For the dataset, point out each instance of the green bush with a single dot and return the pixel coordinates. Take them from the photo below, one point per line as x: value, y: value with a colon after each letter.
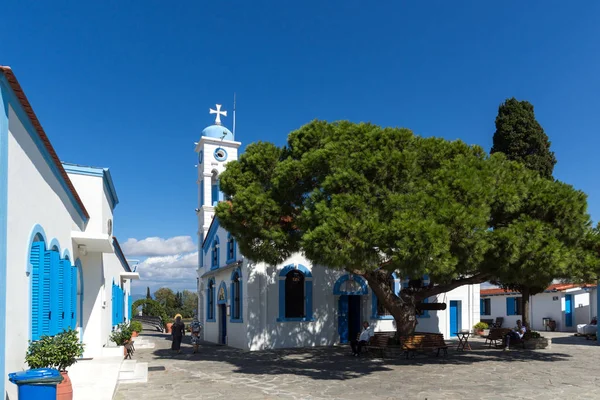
x: 136, y: 326
x: 121, y: 335
x: 531, y: 335
x: 480, y: 326
x: 58, y: 351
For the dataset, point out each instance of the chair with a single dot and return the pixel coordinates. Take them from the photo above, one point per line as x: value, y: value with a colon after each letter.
x: 498, y: 323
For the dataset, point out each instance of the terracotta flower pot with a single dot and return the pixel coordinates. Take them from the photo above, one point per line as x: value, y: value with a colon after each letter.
x: 134, y: 334
x: 168, y: 328
x: 64, y: 390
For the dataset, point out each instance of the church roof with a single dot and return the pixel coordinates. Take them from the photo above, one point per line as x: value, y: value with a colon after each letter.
x: 217, y: 132
x: 20, y: 95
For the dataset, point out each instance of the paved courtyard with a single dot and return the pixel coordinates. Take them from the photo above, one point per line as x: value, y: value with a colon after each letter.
x: 570, y: 369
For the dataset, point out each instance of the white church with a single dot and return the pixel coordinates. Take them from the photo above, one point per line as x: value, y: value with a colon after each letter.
x: 255, y: 306
x: 60, y: 265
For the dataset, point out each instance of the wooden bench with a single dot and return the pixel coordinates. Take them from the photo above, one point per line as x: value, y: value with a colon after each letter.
x: 129, y: 347
x: 422, y: 342
x: 496, y: 335
x: 378, y: 342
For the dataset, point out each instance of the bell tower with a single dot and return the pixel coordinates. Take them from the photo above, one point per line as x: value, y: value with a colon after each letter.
x: 215, y: 149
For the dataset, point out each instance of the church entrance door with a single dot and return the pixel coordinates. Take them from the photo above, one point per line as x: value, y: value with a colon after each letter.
x: 348, y: 317
x: 223, y: 323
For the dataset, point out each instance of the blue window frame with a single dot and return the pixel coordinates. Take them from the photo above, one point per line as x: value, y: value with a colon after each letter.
x: 210, y: 301
x: 513, y: 306
x: 230, y: 248
x: 236, y: 296
x: 295, y: 294
x: 377, y: 310
x: 215, y: 254
x: 485, y: 306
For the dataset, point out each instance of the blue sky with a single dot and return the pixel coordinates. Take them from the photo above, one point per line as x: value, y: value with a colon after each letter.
x: 127, y: 85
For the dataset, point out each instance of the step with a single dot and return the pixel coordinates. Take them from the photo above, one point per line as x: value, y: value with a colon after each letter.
x: 112, y: 351
x: 138, y: 375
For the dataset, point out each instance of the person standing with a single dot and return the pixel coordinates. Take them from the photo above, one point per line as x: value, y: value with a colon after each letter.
x: 178, y: 331
x: 196, y: 328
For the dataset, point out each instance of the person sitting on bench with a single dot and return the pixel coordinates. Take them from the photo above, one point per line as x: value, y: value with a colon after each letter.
x: 515, y: 334
x: 365, y: 335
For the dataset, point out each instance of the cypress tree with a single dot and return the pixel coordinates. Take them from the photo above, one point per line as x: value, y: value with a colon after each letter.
x: 521, y: 138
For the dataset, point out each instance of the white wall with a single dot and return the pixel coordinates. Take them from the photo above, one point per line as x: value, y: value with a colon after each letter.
x: 35, y: 196
x: 261, y: 330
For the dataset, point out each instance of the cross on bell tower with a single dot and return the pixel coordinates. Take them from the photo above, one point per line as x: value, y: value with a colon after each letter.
x: 219, y: 113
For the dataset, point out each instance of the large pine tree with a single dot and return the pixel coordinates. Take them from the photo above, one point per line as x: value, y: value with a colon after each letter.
x: 521, y: 138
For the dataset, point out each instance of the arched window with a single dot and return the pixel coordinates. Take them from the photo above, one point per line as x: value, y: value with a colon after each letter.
x: 295, y: 294
x: 215, y: 188
x: 378, y: 310
x: 210, y: 301
x: 230, y: 249
x: 236, y: 296
x: 215, y: 254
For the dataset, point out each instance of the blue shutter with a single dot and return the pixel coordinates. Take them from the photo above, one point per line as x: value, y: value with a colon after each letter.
x: 35, y: 258
x: 202, y: 193
x: 482, y: 307
x: 64, y: 295
x: 510, y: 306
x: 55, y: 303
x: 73, y: 298
x: 46, y: 294
x: 113, y: 306
x: 215, y: 194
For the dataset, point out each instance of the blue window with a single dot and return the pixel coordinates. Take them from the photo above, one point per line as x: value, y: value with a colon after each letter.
x: 210, y: 301
x: 485, y: 307
x: 36, y: 258
x: 378, y: 311
x: 230, y: 249
x: 215, y: 254
x: 236, y: 296
x: 295, y: 294
x: 55, y: 291
x: 513, y: 306
x: 118, y: 301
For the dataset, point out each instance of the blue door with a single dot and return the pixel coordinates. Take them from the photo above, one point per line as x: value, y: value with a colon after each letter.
x: 454, y: 317
x: 343, y: 318
x: 223, y: 316
x: 568, y: 310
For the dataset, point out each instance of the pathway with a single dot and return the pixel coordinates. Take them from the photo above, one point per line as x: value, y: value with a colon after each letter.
x: 569, y: 370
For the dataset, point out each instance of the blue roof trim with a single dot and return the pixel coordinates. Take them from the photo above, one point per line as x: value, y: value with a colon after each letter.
x: 9, y: 97
x: 104, y: 173
x: 120, y: 255
x: 212, y: 231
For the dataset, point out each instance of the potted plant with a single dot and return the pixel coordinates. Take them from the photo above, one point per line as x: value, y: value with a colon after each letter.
x: 121, y: 336
x: 479, y: 327
x: 534, y: 340
x: 59, y: 352
x: 136, y: 327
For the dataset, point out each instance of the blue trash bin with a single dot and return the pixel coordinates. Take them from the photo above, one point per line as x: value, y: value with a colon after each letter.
x: 36, y: 384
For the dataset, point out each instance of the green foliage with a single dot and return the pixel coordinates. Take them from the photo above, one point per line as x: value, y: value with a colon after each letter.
x: 358, y: 196
x: 58, y: 351
x: 122, y: 334
x: 531, y: 335
x: 151, y: 308
x: 480, y: 326
x: 522, y: 138
x: 136, y: 326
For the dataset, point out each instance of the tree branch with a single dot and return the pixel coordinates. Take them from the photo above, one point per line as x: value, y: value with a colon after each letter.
x: 477, y: 278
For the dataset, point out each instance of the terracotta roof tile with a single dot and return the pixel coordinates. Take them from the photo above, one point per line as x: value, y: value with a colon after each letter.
x: 20, y: 94
x: 556, y: 287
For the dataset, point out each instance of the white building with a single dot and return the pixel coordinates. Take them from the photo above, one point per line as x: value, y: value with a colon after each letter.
x: 567, y: 304
x: 58, y: 259
x: 256, y: 306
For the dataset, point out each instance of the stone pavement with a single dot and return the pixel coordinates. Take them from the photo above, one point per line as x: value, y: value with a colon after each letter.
x: 570, y: 369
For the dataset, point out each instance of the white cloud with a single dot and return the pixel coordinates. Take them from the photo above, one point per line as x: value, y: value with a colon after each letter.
x: 177, y: 272
x: 156, y: 246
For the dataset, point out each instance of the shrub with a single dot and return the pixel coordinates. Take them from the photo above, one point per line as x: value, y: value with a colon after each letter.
x: 58, y: 351
x: 480, y: 326
x: 531, y: 335
x: 121, y: 335
x: 136, y: 326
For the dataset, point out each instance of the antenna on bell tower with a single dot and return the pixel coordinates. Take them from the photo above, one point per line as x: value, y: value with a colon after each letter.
x: 233, y: 116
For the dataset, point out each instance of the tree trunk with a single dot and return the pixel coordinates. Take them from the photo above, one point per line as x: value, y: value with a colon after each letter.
x: 403, y: 307
x: 525, y: 304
